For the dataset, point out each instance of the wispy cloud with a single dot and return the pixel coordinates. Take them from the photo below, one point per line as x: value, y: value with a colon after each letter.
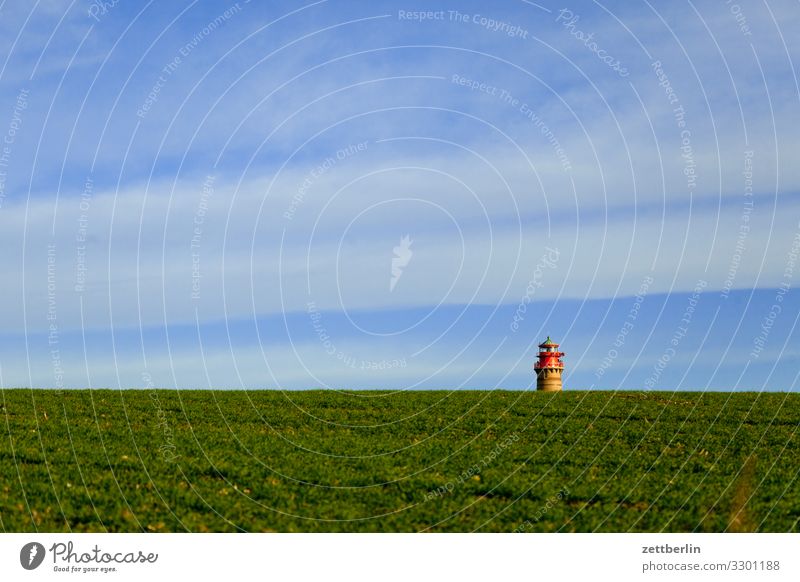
x: 207, y: 162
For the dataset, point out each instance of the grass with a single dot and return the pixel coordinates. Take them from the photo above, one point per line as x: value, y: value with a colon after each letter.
x: 499, y: 461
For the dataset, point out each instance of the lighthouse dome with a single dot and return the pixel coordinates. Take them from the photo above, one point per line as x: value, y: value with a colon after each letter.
x: 548, y: 343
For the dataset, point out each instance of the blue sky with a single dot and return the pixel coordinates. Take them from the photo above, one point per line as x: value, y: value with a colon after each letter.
x: 215, y: 194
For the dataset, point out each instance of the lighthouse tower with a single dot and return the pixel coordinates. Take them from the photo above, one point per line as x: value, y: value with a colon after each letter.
x: 549, y: 367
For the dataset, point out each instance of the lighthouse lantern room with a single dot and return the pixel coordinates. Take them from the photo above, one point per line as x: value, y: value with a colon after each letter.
x: 549, y: 367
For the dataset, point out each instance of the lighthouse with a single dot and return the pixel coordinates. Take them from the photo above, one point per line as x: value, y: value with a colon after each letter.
x: 549, y: 367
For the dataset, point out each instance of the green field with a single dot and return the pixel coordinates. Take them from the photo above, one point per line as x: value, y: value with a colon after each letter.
x: 499, y: 461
